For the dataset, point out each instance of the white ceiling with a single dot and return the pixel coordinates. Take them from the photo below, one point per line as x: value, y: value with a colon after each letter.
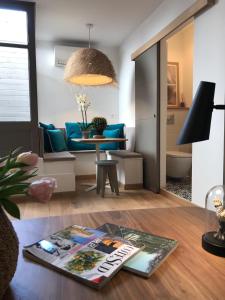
x: 114, y: 20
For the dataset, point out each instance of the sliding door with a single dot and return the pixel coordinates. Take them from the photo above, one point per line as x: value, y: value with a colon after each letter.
x: 147, y: 130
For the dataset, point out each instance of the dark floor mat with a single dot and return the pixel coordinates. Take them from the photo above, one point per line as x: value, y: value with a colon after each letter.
x: 180, y: 187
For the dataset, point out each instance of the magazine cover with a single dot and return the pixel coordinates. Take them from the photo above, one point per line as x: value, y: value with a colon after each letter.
x: 87, y: 254
x: 156, y: 248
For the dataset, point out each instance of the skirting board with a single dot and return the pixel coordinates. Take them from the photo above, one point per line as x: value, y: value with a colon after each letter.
x: 170, y: 195
x: 86, y: 177
x: 133, y: 186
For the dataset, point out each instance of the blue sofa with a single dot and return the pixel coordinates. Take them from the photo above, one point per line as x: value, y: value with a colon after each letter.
x: 57, y: 140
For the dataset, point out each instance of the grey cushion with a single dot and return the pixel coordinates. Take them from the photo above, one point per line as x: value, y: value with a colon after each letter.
x: 58, y: 156
x: 125, y: 154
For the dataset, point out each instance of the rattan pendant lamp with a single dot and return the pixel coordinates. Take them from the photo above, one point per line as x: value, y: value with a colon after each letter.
x: 89, y: 67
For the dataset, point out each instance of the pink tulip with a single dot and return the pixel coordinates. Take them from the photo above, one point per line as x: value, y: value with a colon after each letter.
x: 42, y: 189
x: 28, y: 158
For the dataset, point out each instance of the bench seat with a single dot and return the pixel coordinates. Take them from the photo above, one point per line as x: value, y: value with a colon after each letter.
x: 61, y: 166
x: 129, y: 168
x: 58, y: 156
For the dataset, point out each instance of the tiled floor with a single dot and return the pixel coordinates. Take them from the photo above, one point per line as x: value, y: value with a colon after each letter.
x: 180, y: 187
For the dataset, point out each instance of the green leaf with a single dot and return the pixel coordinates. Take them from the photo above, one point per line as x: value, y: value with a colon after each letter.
x: 11, y: 208
x: 15, y: 189
x: 3, y: 158
x: 16, y: 151
x: 12, y: 178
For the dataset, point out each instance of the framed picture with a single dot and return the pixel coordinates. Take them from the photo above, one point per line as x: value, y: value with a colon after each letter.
x: 173, y: 84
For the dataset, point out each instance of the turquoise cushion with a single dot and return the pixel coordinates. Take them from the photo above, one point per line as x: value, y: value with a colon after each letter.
x: 111, y: 134
x: 57, y: 140
x: 73, y: 131
x: 119, y: 126
x: 47, y: 144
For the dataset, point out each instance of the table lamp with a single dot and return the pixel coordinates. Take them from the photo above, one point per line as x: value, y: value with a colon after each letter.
x: 196, y: 129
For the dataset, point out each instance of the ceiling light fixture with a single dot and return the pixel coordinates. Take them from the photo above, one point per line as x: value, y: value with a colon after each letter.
x: 89, y: 66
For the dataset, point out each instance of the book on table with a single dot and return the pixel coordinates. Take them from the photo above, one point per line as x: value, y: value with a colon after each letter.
x: 156, y: 248
x: 86, y: 254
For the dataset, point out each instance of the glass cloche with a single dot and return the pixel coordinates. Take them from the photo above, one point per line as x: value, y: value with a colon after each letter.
x: 213, y: 240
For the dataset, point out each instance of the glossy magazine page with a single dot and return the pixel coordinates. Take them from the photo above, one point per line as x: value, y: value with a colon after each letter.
x: 156, y: 248
x: 88, y: 254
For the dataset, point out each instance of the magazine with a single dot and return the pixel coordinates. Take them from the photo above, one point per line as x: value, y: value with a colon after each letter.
x: 88, y: 255
x: 156, y: 248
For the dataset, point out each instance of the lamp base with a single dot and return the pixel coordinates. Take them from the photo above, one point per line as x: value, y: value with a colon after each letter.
x: 213, y: 245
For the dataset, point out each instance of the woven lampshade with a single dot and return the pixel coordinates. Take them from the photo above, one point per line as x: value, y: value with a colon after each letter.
x: 88, y: 66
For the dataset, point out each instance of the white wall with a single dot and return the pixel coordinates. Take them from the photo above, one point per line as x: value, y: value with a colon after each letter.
x: 160, y: 18
x: 209, y: 65
x: 56, y: 99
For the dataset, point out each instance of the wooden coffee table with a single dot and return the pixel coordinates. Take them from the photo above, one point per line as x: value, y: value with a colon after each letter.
x: 189, y: 273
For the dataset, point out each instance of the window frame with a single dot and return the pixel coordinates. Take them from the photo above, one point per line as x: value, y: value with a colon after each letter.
x: 29, y: 8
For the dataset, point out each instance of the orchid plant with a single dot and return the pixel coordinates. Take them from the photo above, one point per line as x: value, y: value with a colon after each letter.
x: 84, y: 104
x: 15, y: 171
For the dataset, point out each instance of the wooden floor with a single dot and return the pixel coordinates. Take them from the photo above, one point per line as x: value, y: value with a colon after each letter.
x: 83, y: 202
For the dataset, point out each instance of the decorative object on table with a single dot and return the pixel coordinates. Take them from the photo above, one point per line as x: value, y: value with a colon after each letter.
x: 86, y: 254
x: 15, y: 170
x: 173, y: 84
x: 156, y: 250
x: 84, y: 104
x: 99, y: 124
x: 89, y: 66
x: 213, y: 240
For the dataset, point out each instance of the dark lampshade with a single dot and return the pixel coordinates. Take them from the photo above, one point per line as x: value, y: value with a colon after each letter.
x: 197, y: 124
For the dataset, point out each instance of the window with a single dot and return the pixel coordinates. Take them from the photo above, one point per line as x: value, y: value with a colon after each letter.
x: 15, y: 104
x: 13, y: 26
x: 18, y: 87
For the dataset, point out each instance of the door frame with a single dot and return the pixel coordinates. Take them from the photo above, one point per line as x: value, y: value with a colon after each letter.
x: 163, y: 101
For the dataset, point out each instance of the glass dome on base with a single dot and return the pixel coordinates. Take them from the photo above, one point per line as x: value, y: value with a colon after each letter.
x: 213, y: 240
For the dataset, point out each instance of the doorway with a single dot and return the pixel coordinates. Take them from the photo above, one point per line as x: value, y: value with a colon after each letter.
x: 176, y: 100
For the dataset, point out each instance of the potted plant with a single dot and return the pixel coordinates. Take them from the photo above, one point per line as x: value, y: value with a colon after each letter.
x: 99, y: 124
x: 84, y: 104
x: 15, y: 171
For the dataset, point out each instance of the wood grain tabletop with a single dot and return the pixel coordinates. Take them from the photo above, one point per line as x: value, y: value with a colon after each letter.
x: 188, y: 273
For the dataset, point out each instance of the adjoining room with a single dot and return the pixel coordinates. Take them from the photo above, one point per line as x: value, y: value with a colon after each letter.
x: 179, y: 98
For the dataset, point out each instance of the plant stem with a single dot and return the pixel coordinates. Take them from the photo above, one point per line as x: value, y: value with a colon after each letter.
x: 86, y: 117
x: 82, y: 116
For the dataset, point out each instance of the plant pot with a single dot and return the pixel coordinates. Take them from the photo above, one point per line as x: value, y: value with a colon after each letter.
x: 9, y: 251
x: 98, y: 136
x: 86, y: 134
